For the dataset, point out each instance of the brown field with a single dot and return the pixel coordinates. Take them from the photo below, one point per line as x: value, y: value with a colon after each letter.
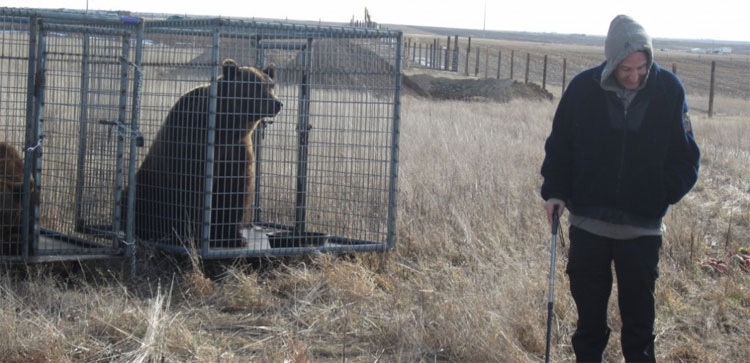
x: 466, y: 283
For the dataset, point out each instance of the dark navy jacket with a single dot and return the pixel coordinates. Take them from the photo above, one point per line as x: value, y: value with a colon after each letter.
x: 617, y: 166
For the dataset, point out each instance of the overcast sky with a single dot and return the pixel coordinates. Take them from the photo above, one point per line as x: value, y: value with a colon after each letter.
x: 715, y: 19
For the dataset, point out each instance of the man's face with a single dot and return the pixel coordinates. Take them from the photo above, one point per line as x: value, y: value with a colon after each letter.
x: 632, y: 70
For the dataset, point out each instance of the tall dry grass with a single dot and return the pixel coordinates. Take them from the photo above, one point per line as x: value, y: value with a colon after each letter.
x: 467, y: 282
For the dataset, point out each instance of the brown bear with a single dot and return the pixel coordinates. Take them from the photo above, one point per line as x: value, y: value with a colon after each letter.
x: 11, y: 200
x: 170, y: 188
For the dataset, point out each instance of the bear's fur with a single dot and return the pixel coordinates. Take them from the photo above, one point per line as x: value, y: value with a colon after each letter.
x: 11, y: 200
x: 171, y: 179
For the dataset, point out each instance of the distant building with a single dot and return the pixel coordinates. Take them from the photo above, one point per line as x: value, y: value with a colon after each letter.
x: 722, y: 50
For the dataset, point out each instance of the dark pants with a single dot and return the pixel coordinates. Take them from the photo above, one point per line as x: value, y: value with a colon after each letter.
x: 589, y: 268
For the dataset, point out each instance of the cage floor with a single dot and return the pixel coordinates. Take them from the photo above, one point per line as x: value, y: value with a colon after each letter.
x: 55, y: 249
x: 257, y: 240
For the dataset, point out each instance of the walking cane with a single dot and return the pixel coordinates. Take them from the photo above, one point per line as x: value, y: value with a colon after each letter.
x: 550, y: 298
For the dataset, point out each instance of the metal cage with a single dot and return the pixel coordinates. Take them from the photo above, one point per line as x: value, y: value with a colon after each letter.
x: 116, y: 129
x: 67, y: 93
x: 321, y: 174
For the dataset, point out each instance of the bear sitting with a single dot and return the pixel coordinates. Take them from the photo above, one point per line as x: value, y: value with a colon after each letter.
x: 171, y: 180
x: 11, y: 201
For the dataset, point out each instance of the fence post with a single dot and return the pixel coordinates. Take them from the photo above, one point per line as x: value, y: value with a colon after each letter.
x: 674, y: 68
x: 437, y: 54
x: 526, y: 77
x: 468, y: 53
x: 486, y: 63
x: 432, y: 54
x: 405, y: 54
x: 419, y: 59
x: 512, y: 55
x: 476, y: 64
x: 447, y: 55
x: 499, y: 61
x: 455, y: 54
x: 565, y: 68
x: 435, y: 58
x: 711, y: 90
x: 544, y: 74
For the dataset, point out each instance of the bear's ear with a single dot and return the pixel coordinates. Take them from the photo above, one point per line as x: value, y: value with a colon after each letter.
x: 229, y: 69
x: 270, y: 70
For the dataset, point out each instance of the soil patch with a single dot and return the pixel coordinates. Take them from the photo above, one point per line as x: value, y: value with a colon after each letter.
x: 483, y: 89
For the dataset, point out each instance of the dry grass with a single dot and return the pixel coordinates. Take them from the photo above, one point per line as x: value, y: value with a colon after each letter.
x: 467, y: 282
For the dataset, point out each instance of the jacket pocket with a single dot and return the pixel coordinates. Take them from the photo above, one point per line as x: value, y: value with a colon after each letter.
x: 644, y: 193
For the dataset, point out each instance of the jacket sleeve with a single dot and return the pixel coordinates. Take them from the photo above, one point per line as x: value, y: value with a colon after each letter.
x: 556, y: 167
x: 681, y: 168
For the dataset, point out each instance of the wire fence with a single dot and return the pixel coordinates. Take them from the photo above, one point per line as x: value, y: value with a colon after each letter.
x: 707, y: 75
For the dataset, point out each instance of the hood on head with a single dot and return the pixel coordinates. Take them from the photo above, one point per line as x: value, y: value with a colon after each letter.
x: 624, y: 37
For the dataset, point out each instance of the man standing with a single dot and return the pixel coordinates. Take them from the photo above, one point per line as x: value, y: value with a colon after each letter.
x: 620, y: 152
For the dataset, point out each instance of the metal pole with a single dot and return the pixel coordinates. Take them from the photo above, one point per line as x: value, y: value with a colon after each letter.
x: 31, y: 136
x: 39, y: 90
x: 711, y: 90
x: 565, y: 68
x: 120, y: 125
x: 83, y: 142
x: 544, y: 74
x: 395, y: 134
x: 303, y: 130
x: 208, y: 182
x: 136, y: 140
x: 551, y: 296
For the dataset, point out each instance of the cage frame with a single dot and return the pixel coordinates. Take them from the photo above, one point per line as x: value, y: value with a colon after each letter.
x: 41, y: 24
x: 295, y: 37
x: 299, y: 37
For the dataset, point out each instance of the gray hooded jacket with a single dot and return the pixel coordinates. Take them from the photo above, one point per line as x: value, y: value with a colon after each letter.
x: 625, y: 36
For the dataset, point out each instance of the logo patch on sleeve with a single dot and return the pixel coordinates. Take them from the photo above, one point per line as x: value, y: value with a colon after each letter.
x: 686, y: 123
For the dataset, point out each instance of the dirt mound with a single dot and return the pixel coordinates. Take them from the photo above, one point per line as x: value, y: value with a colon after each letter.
x: 498, y: 90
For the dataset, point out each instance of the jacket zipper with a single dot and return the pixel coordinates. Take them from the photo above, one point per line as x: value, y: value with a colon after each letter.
x: 622, y: 157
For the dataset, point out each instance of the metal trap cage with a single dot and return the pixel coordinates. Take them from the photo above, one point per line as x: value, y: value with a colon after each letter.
x: 67, y: 88
x: 226, y: 137
x: 316, y: 173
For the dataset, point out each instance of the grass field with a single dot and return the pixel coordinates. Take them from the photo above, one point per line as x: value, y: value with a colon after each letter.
x: 466, y: 283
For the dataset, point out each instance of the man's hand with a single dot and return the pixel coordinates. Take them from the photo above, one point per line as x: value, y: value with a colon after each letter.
x: 549, y: 207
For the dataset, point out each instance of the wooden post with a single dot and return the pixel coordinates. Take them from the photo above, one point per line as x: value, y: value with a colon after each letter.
x: 512, y: 55
x: 499, y: 62
x: 435, y: 58
x: 455, y: 54
x: 476, y: 64
x: 565, y: 68
x: 468, y: 53
x: 447, y: 64
x: 544, y: 74
x: 711, y: 90
x: 432, y: 54
x: 674, y: 68
x: 438, y: 58
x: 420, y: 55
x: 487, y: 64
x: 405, y: 54
x: 528, y: 60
